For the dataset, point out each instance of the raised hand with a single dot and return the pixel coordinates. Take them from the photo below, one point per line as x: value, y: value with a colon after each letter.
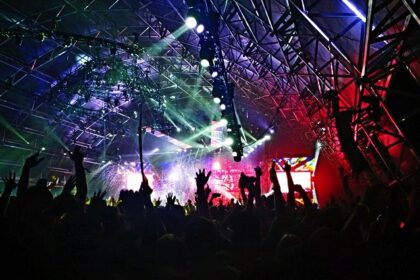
x: 77, y: 156
x: 287, y: 167
x: 97, y: 201
x: 33, y: 160
x: 201, y: 178
x: 9, y: 182
x: 158, y: 202
x: 170, y: 199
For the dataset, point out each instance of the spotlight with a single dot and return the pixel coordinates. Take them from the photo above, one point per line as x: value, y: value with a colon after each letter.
x: 222, y: 107
x: 191, y: 19
x: 205, y: 63
x: 223, y: 122
x: 228, y: 141
x: 190, y: 22
x: 200, y: 28
x: 217, y: 100
x: 214, y: 74
x: 271, y: 131
x: 178, y: 129
x: 267, y: 137
x: 42, y: 148
x: 235, y: 154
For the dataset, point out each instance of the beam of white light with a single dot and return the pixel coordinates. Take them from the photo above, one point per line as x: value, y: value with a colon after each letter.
x: 354, y: 9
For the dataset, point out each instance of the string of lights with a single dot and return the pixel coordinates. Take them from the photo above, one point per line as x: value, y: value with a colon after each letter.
x: 206, y: 23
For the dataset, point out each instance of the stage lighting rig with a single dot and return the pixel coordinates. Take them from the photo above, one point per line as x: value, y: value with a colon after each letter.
x: 195, y: 18
x: 206, y: 22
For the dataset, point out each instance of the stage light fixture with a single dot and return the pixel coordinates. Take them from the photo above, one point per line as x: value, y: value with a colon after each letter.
x: 42, y: 148
x: 200, y: 28
x: 217, y: 100
x: 267, y: 137
x: 271, y: 131
x: 235, y: 154
x: 190, y: 22
x: 205, y: 63
x: 214, y: 74
x: 222, y: 107
x: 178, y: 129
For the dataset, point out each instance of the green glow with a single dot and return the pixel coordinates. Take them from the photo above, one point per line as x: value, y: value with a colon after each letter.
x: 158, y: 47
x: 249, y: 135
x: 91, y: 175
x: 8, y: 126
x: 50, y: 134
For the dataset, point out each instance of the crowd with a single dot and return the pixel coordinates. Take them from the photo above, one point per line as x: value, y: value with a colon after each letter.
x: 263, y: 237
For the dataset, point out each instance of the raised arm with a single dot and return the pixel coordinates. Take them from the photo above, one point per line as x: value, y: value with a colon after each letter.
x: 9, y: 185
x: 309, y: 207
x: 291, y: 194
x: 278, y: 197
x: 201, y: 180
x: 23, y: 184
x: 81, y: 186
x: 257, y: 189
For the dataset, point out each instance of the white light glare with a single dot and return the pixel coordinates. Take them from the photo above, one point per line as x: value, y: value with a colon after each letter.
x: 191, y: 22
x: 318, y: 144
x: 228, y: 141
x: 205, y: 63
x: 222, y: 107
x: 200, y: 28
x: 217, y: 100
x: 82, y: 59
x: 353, y: 8
x: 267, y: 137
x: 223, y: 122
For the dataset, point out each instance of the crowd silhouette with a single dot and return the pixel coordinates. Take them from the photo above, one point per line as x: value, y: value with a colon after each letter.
x: 261, y: 237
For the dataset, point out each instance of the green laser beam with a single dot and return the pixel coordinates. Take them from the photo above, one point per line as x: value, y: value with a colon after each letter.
x: 8, y: 126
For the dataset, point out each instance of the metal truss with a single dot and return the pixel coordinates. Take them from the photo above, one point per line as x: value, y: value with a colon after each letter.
x: 388, y: 26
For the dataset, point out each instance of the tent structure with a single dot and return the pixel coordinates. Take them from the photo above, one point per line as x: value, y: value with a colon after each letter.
x: 68, y: 69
